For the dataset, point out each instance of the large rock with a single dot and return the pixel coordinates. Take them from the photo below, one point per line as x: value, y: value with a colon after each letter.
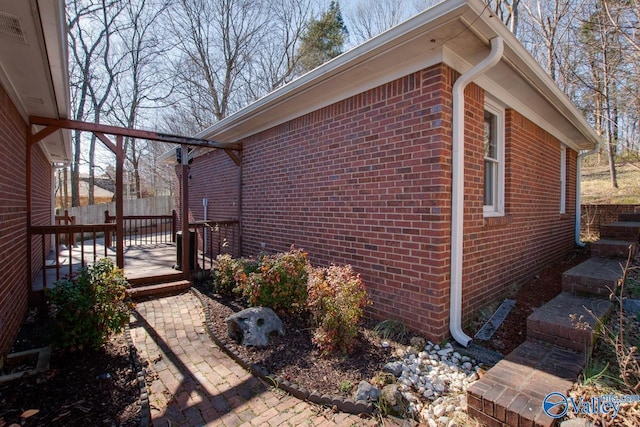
x: 367, y: 392
x: 254, y: 326
x: 392, y: 402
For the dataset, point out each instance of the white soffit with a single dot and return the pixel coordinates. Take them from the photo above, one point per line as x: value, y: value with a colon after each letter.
x: 33, y: 67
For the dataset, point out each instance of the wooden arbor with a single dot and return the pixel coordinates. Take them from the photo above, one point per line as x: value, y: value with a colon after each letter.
x: 101, y: 131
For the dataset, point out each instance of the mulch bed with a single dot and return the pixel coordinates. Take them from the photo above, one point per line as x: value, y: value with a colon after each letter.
x: 82, y: 388
x: 294, y: 358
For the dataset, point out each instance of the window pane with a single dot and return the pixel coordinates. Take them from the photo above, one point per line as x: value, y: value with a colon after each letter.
x: 489, y: 182
x: 490, y: 149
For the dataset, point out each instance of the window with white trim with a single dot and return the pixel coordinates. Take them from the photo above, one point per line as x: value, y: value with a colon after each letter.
x: 493, y: 160
x: 563, y: 178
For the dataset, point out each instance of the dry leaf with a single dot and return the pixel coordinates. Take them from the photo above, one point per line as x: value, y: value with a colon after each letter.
x: 29, y: 413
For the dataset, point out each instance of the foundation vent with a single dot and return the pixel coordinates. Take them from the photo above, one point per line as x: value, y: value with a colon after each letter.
x: 11, y: 28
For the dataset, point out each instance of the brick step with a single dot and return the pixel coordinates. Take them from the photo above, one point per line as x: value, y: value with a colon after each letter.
x: 569, y: 321
x: 595, y: 276
x: 629, y: 216
x: 621, y: 230
x: 158, y: 289
x: 154, y: 280
x: 609, y: 248
x: 511, y: 393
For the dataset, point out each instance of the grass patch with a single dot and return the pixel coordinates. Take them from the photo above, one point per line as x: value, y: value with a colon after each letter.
x: 596, y: 185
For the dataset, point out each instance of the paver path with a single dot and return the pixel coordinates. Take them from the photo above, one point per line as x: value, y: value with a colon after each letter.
x: 197, y: 384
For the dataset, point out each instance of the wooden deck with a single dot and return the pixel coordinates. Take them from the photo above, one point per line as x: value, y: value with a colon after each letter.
x: 142, y: 263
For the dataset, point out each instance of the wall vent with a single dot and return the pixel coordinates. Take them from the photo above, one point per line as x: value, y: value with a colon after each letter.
x: 10, y: 27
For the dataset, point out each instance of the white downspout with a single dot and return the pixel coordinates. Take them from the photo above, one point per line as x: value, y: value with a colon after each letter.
x: 457, y: 191
x: 578, y: 190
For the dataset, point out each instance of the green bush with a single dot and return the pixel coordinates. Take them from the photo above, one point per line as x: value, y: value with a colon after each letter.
x: 89, y: 306
x: 279, y: 282
x: 224, y: 273
x: 337, y: 298
x: 228, y: 271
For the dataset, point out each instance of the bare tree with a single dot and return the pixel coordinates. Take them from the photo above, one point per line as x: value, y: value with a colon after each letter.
x: 369, y: 19
x: 507, y: 11
x: 273, y: 62
x: 143, y: 83
x: 91, y: 25
x: 216, y: 39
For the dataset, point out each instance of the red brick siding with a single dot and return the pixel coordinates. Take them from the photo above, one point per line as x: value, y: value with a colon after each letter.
x: 362, y: 182
x: 213, y: 176
x: 502, y: 251
x: 13, y: 222
x: 367, y: 181
x: 14, y: 289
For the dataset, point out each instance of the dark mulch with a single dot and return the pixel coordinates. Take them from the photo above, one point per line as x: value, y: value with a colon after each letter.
x: 82, y: 388
x: 537, y: 291
x: 294, y: 358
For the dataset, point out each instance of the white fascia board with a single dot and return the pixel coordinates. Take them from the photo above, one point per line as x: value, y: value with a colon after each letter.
x: 53, y: 21
x: 413, y: 45
x: 54, y: 32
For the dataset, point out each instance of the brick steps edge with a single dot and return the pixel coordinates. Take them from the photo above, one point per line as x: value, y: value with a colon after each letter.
x: 569, y: 321
x: 158, y: 289
x: 511, y: 393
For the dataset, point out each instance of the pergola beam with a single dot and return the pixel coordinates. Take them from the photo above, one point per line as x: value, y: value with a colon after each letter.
x: 133, y: 133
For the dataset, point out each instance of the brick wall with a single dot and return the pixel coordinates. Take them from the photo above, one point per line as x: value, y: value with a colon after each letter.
x: 592, y: 216
x: 213, y: 176
x: 14, y: 289
x: 367, y: 182
x: 503, y: 251
x: 13, y: 223
x: 362, y: 182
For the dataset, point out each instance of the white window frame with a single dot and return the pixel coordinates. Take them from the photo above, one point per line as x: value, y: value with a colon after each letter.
x: 563, y: 178
x: 497, y: 207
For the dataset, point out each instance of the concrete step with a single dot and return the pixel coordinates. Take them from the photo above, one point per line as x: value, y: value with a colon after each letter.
x: 569, y: 321
x: 609, y: 248
x: 595, y: 276
x: 621, y: 230
x: 511, y: 393
x: 158, y: 289
x: 629, y: 216
x: 153, y: 280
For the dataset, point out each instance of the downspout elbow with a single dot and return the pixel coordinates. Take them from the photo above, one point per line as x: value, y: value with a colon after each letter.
x: 457, y: 191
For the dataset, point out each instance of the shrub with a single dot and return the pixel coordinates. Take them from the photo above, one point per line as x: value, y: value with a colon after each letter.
x: 228, y: 271
x: 278, y: 283
x: 224, y: 274
x: 337, y: 298
x: 89, y: 306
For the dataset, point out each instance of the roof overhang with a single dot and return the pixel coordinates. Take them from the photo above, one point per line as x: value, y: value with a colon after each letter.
x: 33, y: 66
x: 456, y: 33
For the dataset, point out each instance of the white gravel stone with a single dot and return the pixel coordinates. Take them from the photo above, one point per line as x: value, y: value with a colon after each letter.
x: 434, y: 381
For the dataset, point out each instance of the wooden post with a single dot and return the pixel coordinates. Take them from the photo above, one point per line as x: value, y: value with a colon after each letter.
x: 174, y: 225
x: 186, y: 244
x: 119, y: 203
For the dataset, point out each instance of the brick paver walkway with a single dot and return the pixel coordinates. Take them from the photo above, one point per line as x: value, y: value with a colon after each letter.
x: 197, y: 384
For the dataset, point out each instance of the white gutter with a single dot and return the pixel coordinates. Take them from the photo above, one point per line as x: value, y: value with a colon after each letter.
x: 578, y: 190
x: 457, y: 191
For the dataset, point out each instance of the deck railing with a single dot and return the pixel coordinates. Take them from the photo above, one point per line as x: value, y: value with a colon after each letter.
x: 215, y: 238
x: 67, y: 259
x: 145, y: 229
x: 65, y: 219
